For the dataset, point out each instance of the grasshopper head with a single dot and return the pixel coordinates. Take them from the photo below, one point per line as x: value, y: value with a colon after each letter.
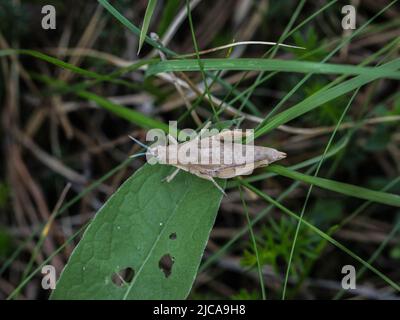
x: 278, y: 155
x: 157, y: 154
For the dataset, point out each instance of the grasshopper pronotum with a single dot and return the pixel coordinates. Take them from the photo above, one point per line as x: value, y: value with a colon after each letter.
x: 222, y: 147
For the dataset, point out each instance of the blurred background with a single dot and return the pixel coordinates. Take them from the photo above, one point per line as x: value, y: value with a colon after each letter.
x: 62, y: 152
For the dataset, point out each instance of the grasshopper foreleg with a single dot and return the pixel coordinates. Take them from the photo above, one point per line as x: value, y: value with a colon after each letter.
x: 171, y: 176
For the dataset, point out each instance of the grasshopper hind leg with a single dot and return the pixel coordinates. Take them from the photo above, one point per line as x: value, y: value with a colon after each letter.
x: 203, y: 176
x: 213, y: 181
x: 218, y: 186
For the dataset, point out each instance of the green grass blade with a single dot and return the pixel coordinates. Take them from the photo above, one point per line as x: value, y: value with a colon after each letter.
x: 321, y: 97
x: 249, y: 64
x: 323, y: 235
x: 198, y: 60
x: 310, y: 190
x: 54, y: 61
x: 123, y: 112
x: 156, y: 44
x: 254, y: 242
x: 260, y: 215
x: 373, y: 257
x: 339, y: 187
x: 151, y: 5
x: 83, y: 72
x: 117, y: 15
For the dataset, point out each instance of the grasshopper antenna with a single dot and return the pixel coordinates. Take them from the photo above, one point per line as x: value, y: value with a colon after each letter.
x: 137, y: 155
x: 139, y: 143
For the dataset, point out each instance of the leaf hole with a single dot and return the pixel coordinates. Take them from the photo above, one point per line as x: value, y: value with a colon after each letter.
x: 172, y: 236
x: 123, y: 277
x: 166, y: 262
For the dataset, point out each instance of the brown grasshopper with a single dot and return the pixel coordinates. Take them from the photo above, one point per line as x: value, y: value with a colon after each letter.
x: 225, y: 149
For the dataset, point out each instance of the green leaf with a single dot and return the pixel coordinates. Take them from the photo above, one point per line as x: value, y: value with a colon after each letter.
x: 340, y: 187
x: 145, y: 220
x: 268, y: 65
x: 151, y: 5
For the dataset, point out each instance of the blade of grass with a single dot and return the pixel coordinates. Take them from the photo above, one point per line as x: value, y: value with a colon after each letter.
x: 251, y: 88
x: 339, y: 187
x: 152, y: 42
x: 123, y: 112
x: 310, y: 162
x: 198, y: 60
x: 251, y: 64
x: 323, y: 235
x: 373, y: 257
x: 303, y: 210
x: 119, y: 110
x: 362, y: 207
x: 54, y: 61
x: 345, y: 41
x: 253, y: 240
x: 25, y: 281
x: 45, y: 232
x: 271, y: 54
x: 98, y: 78
x: 133, y: 28
x: 151, y: 5
x: 319, y: 98
x: 262, y: 214
x: 261, y: 79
